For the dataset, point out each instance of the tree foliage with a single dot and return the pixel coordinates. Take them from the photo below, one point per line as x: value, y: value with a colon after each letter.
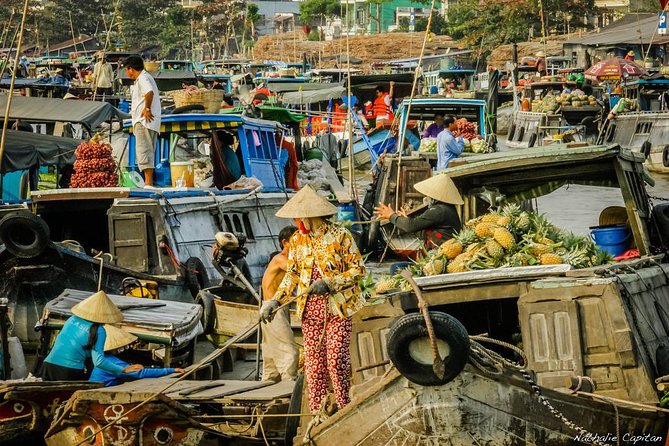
x: 313, y: 11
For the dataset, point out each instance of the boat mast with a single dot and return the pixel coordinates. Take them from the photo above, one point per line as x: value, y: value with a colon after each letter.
x: 13, y: 80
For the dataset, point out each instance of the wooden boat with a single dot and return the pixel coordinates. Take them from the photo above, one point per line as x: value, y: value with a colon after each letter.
x: 27, y: 407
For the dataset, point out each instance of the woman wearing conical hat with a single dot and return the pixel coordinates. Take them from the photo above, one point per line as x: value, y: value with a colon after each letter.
x: 440, y: 221
x: 119, y: 340
x: 83, y: 337
x: 324, y: 266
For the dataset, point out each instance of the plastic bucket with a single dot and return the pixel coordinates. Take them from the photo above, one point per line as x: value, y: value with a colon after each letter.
x: 183, y: 174
x: 612, y: 239
x: 131, y: 178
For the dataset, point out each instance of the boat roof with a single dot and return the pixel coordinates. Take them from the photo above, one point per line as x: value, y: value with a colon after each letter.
x: 201, y: 121
x: 24, y: 150
x: 88, y: 113
x: 271, y: 113
x: 428, y: 107
x: 513, y: 172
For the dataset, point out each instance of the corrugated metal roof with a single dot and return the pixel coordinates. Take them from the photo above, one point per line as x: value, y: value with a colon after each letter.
x: 632, y: 31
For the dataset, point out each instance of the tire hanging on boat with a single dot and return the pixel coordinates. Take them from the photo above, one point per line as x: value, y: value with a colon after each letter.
x: 196, y: 276
x: 645, y: 149
x: 512, y: 132
x: 206, y: 300
x: 533, y: 139
x: 521, y: 133
x: 417, y: 367
x: 25, y: 235
x: 294, y: 408
x: 665, y: 156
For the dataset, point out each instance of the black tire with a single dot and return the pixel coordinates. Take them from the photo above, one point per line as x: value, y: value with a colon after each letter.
x: 295, y: 407
x: 206, y: 300
x: 24, y: 186
x: 196, y: 276
x: 188, y: 109
x: 665, y: 156
x: 411, y: 327
x: 533, y: 139
x: 512, y: 130
x: 645, y: 149
x: 588, y: 121
x: 25, y: 235
x: 521, y: 133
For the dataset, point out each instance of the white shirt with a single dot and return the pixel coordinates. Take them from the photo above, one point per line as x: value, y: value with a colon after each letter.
x: 143, y: 84
x: 104, y: 75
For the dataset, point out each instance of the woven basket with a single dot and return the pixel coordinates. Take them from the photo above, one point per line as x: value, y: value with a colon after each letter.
x: 151, y: 66
x: 210, y: 99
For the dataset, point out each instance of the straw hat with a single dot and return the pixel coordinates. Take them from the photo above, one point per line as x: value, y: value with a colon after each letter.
x: 541, y: 54
x: 630, y: 53
x: 70, y: 96
x: 117, y: 338
x: 613, y: 215
x: 98, y: 308
x: 306, y: 203
x: 441, y: 188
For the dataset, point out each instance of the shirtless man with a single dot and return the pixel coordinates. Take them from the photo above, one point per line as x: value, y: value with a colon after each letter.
x: 279, y: 350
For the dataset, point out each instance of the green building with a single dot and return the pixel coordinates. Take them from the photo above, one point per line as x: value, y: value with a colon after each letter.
x: 371, y: 17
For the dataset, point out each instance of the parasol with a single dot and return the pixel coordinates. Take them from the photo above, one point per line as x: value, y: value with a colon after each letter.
x: 614, y: 69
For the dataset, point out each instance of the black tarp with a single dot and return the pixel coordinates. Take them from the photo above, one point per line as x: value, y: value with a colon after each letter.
x: 90, y: 114
x: 24, y: 150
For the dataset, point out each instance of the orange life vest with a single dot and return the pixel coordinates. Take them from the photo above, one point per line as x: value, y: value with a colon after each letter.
x: 380, y: 108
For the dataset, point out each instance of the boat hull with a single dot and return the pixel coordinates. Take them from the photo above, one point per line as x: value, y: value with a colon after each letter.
x: 634, y: 129
x: 478, y: 409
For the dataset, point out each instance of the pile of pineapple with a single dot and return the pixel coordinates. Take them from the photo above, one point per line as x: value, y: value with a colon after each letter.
x: 507, y: 236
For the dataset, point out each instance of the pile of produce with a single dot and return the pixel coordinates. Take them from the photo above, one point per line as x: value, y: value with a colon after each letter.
x: 505, y: 237
x: 428, y: 145
x: 94, y: 166
x: 548, y: 104
x: 468, y: 130
x: 568, y: 99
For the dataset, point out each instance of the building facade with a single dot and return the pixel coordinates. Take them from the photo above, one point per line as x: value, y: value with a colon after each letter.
x: 370, y: 17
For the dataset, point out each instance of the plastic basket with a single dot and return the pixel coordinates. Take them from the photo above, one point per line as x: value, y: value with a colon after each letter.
x: 209, y: 99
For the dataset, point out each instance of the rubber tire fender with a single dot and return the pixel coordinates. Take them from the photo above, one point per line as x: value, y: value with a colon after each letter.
x: 25, y: 235
x: 532, y: 140
x: 521, y: 133
x: 512, y: 131
x: 206, y: 300
x: 665, y: 156
x: 196, y: 276
x: 411, y: 327
x: 645, y: 149
x: 188, y: 108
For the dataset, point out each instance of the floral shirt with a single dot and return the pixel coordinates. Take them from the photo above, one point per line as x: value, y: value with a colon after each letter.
x: 333, y: 251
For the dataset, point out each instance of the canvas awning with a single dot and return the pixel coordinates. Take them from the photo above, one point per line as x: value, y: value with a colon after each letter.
x: 24, y: 150
x: 311, y: 97
x: 90, y: 114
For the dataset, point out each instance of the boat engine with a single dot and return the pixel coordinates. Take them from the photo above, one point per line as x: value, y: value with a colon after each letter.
x: 229, y: 248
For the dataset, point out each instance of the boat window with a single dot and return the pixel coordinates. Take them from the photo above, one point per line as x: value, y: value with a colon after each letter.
x: 238, y: 222
x: 643, y: 127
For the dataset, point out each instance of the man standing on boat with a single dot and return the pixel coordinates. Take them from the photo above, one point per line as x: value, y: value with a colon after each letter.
x: 279, y: 351
x: 382, y: 107
x: 449, y: 143
x: 145, y: 115
x: 324, y: 267
x: 103, y: 77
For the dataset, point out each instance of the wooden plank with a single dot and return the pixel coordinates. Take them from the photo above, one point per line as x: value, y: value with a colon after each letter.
x: 80, y: 194
x: 491, y: 275
x: 282, y: 389
x: 337, y: 188
x: 225, y: 389
x: 471, y: 293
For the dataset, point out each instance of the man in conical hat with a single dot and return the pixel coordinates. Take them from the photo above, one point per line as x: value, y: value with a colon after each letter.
x: 324, y: 266
x: 117, y: 341
x: 82, y: 337
x: 440, y: 221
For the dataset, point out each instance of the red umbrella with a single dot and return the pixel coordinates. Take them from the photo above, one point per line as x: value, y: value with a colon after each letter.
x: 614, y: 69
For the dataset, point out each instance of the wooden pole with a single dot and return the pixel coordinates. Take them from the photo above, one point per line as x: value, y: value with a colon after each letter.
x: 11, y: 83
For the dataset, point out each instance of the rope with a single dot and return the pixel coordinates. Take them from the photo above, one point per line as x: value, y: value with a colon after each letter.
x: 101, y: 256
x: 10, y: 94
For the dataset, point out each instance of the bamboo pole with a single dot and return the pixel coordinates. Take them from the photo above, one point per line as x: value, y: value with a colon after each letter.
x: 13, y: 80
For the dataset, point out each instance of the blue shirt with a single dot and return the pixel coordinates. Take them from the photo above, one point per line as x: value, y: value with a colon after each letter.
x: 68, y: 349
x: 111, y: 379
x: 448, y: 148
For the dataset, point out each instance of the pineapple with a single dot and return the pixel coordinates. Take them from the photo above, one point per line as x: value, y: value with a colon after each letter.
x: 523, y: 221
x: 494, y: 248
x: 511, y: 210
x: 538, y: 249
x: 578, y: 258
x: 386, y: 284
x: 490, y: 218
x: 450, y: 249
x: 550, y: 259
x: 434, y: 267
x: 504, y: 237
x: 484, y: 229
x: 456, y: 267
x: 504, y: 220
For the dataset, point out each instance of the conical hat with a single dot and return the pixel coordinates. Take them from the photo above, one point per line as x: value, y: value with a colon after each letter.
x: 117, y: 338
x: 98, y: 308
x: 306, y: 203
x: 441, y: 188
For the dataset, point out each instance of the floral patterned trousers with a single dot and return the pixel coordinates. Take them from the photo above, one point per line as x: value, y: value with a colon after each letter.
x: 327, y: 340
